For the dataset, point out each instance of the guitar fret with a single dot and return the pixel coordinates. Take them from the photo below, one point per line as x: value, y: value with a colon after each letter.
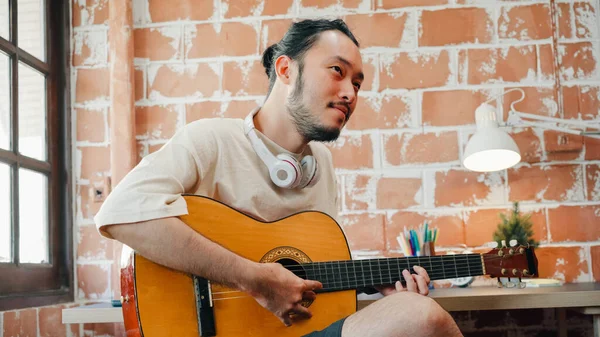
x: 455, y: 270
x: 389, y: 271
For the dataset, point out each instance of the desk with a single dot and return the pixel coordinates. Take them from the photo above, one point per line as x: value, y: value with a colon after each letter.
x: 584, y: 297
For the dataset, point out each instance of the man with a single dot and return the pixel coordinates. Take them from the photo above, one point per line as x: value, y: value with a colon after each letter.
x: 268, y: 167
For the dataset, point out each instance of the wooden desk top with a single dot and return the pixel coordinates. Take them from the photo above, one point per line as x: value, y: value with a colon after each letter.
x: 493, y: 298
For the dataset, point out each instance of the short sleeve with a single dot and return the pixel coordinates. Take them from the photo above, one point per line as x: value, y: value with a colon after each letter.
x: 153, y: 188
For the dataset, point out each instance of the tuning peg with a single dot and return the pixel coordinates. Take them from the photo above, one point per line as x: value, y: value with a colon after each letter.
x: 510, y: 284
x: 499, y: 283
x: 491, y: 244
x: 513, y: 243
x: 504, y: 244
x: 521, y: 284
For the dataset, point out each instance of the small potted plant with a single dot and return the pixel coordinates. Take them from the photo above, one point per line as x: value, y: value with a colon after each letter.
x: 515, y: 226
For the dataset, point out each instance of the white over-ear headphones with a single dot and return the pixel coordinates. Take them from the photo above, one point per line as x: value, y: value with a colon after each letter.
x: 285, y: 171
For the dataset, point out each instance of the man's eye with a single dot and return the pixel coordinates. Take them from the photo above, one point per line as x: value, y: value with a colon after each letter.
x: 357, y: 85
x: 338, y: 69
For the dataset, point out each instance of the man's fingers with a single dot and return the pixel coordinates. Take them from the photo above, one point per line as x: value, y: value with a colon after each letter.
x: 422, y: 272
x: 286, y: 319
x: 301, y: 312
x: 399, y: 286
x: 312, y: 285
x: 309, y: 295
x: 422, y: 285
x: 410, y: 282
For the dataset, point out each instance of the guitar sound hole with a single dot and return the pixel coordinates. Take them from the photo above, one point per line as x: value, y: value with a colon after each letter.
x: 294, y: 267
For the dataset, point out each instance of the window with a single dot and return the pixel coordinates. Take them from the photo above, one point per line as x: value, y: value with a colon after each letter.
x: 35, y: 217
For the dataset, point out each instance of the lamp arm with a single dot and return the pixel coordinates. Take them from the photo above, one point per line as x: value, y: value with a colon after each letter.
x: 515, y: 119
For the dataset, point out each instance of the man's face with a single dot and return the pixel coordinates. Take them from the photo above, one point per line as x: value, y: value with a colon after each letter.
x: 326, y: 87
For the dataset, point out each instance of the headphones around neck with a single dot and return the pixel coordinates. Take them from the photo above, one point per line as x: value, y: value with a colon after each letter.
x: 285, y: 171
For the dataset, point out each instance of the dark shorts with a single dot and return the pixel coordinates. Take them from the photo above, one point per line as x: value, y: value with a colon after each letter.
x: 334, y: 330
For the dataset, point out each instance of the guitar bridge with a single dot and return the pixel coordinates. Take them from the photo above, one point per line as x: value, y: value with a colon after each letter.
x: 204, y: 307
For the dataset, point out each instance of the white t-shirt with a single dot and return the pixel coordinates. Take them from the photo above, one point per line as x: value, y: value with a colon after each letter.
x: 214, y: 158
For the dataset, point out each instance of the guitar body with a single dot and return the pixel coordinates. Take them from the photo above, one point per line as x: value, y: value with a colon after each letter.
x: 161, y: 302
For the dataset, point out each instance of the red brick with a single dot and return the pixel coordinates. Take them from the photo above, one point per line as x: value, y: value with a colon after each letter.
x: 155, y: 147
x: 93, y: 281
x: 480, y: 225
x: 90, y: 125
x: 202, y: 110
x: 99, y: 329
x: 20, y: 323
x: 509, y: 64
x: 530, y: 145
x: 563, y: 263
x: 272, y: 32
x: 451, y: 229
x: 453, y: 107
x: 393, y: 4
x: 525, y: 22
x: 157, y: 44
x: 360, y: 192
x: 593, y: 182
x: 370, y: 69
x: 234, y: 39
x: 538, y: 101
x: 595, y: 250
x: 546, y: 183
x: 380, y: 30
x: 364, y: 231
x: 92, y: 12
x: 399, y: 193
x: 327, y: 3
x: 139, y: 78
x: 455, y: 26
x: 415, y: 70
x: 245, y: 78
x: 562, y: 146
x: 592, y: 148
x: 174, y: 10
x: 88, y: 208
x: 95, y: 161
x: 581, y: 101
x: 183, y: 80
x: 156, y: 122
x: 238, y: 109
x: 92, y: 84
x: 428, y: 148
x: 455, y: 187
x: 381, y: 112
x: 574, y: 223
x: 577, y: 61
x: 50, y: 322
x: 93, y: 246
x: 90, y: 48
x: 547, y: 57
x: 565, y: 25
x: 352, y: 152
x: 585, y: 20
x: 245, y: 8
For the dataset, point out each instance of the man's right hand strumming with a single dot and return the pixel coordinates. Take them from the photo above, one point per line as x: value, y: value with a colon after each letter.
x: 280, y: 291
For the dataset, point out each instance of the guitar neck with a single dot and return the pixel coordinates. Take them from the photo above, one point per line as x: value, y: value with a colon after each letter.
x: 345, y: 275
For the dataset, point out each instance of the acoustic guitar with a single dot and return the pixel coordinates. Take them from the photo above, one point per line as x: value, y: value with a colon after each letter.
x: 160, y: 302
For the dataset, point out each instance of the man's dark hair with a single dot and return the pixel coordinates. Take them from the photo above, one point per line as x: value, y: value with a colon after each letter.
x: 299, y: 38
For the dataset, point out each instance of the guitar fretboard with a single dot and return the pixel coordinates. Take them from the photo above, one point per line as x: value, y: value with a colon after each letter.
x: 344, y: 275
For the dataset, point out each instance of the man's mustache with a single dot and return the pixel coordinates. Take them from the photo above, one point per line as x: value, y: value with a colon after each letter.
x: 343, y: 104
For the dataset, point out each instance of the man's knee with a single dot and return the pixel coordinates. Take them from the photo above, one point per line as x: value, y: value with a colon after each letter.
x: 430, y: 318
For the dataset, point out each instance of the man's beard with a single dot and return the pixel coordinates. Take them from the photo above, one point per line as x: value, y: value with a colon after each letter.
x: 307, y: 124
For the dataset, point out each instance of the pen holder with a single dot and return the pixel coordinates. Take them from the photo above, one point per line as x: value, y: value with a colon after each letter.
x: 428, y: 248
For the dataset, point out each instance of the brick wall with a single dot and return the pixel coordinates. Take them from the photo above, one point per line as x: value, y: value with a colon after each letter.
x: 429, y: 64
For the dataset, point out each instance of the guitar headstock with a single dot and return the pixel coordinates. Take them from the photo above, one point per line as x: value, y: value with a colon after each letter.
x: 517, y: 262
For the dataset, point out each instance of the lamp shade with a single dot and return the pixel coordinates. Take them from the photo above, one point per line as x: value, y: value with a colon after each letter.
x: 490, y: 149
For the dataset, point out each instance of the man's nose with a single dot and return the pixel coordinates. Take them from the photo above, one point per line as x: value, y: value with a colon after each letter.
x: 347, y: 92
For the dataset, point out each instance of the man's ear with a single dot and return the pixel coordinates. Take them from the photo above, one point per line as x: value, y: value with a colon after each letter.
x: 283, y: 67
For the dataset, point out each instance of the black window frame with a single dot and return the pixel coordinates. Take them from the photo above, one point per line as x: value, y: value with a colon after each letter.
x: 28, y: 285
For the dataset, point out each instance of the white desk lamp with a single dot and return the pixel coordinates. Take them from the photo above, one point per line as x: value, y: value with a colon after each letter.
x: 492, y: 149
